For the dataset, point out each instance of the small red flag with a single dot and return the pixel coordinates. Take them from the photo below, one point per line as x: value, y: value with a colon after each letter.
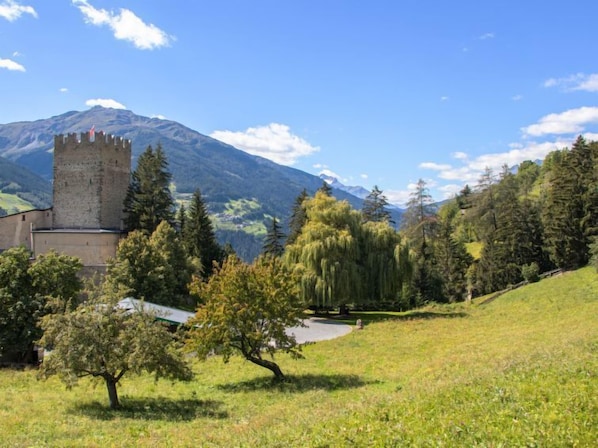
x: 92, y: 131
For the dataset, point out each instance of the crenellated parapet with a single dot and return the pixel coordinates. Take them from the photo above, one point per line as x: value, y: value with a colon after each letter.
x: 85, y: 139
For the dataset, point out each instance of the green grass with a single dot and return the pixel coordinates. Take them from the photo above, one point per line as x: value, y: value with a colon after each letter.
x: 14, y: 204
x: 519, y: 371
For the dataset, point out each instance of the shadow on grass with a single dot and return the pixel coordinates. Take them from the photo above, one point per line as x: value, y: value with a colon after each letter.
x: 369, y: 317
x: 297, y: 383
x: 161, y: 408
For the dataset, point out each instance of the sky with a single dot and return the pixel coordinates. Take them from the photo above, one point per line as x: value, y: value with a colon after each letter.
x: 375, y: 93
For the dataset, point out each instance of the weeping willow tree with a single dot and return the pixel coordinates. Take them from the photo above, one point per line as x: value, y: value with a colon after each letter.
x: 341, y: 261
x: 387, y: 264
x: 326, y: 253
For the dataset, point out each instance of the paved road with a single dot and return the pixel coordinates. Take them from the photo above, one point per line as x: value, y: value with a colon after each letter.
x: 319, y: 329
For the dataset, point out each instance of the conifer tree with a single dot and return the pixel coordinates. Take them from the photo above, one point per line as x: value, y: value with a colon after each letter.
x: 198, y: 234
x: 452, y: 257
x: 568, y: 213
x: 149, y: 200
x: 375, y: 207
x: 273, y: 243
x: 326, y: 189
x: 298, y: 217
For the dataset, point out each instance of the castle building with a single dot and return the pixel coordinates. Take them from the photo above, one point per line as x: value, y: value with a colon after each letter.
x: 91, y: 178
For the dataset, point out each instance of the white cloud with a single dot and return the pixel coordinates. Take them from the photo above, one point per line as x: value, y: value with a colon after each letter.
x: 569, y: 122
x: 434, y: 166
x: 486, y: 36
x: 125, y: 26
x: 330, y: 173
x: 364, y: 176
x: 517, y: 97
x: 11, y: 65
x: 397, y: 197
x: 470, y: 171
x: 444, y: 98
x: 11, y: 10
x: 159, y: 117
x: 460, y: 155
x: 63, y: 90
x: 274, y: 141
x: 105, y: 102
x: 450, y: 190
x: 578, y: 81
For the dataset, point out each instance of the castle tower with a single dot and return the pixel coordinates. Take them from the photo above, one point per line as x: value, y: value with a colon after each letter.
x: 91, y: 178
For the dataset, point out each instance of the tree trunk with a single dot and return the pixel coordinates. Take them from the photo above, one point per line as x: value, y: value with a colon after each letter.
x: 272, y: 366
x: 112, y: 393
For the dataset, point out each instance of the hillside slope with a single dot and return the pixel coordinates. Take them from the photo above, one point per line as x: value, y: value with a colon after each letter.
x: 521, y: 371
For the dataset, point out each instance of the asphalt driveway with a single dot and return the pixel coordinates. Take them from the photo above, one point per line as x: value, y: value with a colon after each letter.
x: 318, y: 329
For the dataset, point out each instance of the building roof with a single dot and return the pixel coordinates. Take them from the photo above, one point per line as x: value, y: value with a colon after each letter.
x: 164, y: 313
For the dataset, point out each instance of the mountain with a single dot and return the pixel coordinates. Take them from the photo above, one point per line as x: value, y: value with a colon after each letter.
x: 21, y: 189
x: 357, y: 191
x: 246, y: 190
x: 361, y: 193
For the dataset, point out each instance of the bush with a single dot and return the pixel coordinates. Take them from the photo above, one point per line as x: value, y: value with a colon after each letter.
x: 530, y: 272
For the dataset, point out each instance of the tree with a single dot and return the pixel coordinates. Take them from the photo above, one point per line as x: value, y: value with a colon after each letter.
x: 298, y: 217
x: 325, y: 188
x: 565, y: 210
x: 199, y: 236
x: 149, y: 200
x: 327, y: 252
x: 420, y: 216
x: 27, y: 292
x: 375, y: 207
x: 246, y: 309
x: 452, y: 257
x: 154, y: 268
x: 102, y: 341
x: 419, y: 225
x: 273, y: 245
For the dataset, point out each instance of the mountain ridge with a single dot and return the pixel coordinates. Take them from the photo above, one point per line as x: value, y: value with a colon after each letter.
x: 222, y: 172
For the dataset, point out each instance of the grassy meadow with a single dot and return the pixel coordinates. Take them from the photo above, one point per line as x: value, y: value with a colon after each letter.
x: 519, y: 371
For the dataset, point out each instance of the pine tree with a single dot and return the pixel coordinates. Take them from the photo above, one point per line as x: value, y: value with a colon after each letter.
x: 326, y: 189
x: 298, y: 217
x: 198, y: 234
x: 452, y: 258
x: 375, y: 207
x: 149, y: 200
x: 566, y: 211
x: 273, y: 243
x: 420, y: 216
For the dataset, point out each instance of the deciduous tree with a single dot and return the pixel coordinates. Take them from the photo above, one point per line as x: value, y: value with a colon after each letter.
x: 102, y: 341
x: 27, y: 292
x: 245, y: 309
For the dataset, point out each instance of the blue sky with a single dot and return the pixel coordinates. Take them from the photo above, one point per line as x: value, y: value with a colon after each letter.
x: 374, y: 92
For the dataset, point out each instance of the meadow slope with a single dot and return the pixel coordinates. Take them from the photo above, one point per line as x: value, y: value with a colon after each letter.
x: 520, y: 371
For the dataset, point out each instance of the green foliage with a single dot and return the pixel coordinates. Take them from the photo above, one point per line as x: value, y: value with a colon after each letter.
x: 530, y: 272
x: 571, y: 211
x: 326, y: 253
x: 198, y: 235
x: 342, y: 260
x: 154, y: 268
x: 298, y: 217
x: 245, y: 309
x: 273, y: 243
x: 149, y: 200
x: 102, y: 341
x: 27, y: 292
x: 375, y: 207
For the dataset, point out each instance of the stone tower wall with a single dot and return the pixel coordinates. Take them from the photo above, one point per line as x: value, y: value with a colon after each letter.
x: 91, y: 177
